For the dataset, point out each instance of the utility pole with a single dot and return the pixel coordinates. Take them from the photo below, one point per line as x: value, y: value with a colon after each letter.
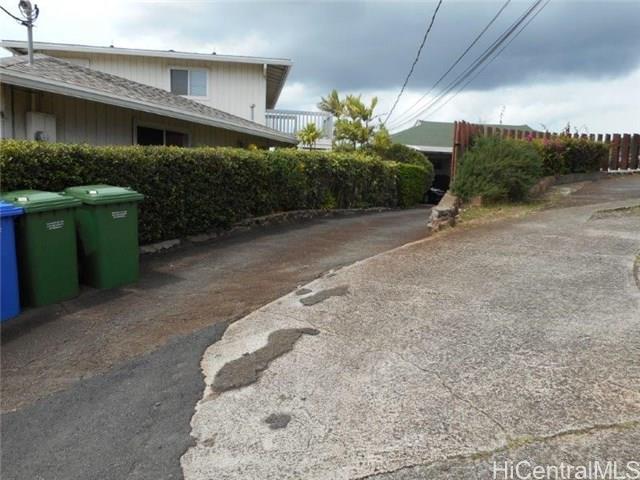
x: 29, y: 15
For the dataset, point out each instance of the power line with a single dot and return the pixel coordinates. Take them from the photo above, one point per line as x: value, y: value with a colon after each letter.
x: 490, y: 61
x: 415, y: 61
x: 11, y: 14
x: 471, y: 45
x: 478, y: 61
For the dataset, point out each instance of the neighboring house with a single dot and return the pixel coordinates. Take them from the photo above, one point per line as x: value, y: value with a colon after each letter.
x: 435, y: 140
x: 118, y: 96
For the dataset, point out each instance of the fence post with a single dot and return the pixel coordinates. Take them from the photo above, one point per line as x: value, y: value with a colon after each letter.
x: 615, y: 152
x: 454, y: 150
x: 635, y: 151
x: 624, y: 151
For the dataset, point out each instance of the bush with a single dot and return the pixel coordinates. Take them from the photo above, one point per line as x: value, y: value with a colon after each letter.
x: 498, y: 169
x: 402, y: 154
x: 190, y: 191
x: 563, y: 155
x: 411, y: 183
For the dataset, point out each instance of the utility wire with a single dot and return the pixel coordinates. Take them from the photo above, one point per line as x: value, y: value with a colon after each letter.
x: 490, y: 61
x: 478, y: 61
x: 471, y: 45
x: 11, y: 14
x: 415, y: 61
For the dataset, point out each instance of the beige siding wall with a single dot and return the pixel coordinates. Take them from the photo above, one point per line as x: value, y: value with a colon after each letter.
x: 82, y: 121
x: 232, y: 87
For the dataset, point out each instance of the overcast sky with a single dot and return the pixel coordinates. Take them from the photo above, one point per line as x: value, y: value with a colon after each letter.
x: 578, y: 61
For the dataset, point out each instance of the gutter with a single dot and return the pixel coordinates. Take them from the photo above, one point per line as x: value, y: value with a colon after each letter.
x: 19, y: 46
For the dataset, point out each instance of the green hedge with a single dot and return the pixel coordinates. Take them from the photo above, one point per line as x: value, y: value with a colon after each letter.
x: 190, y: 191
x: 411, y: 183
x: 564, y: 154
x: 403, y: 155
x: 498, y: 169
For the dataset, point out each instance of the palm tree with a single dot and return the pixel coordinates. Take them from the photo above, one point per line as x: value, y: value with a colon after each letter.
x: 309, y: 135
x: 332, y: 104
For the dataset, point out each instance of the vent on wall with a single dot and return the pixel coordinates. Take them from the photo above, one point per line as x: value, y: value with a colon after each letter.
x: 41, y: 127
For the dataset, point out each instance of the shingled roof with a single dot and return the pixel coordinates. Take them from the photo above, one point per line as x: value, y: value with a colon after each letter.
x: 58, y: 76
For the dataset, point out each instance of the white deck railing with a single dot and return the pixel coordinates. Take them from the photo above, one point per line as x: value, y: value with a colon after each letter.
x: 292, y: 121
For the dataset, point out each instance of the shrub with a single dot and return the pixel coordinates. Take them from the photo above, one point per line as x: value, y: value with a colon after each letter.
x: 498, y: 169
x: 402, y: 154
x: 190, y: 191
x: 563, y: 155
x: 411, y: 183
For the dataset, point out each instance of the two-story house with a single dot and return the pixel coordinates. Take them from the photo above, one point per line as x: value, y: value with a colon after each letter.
x: 121, y: 96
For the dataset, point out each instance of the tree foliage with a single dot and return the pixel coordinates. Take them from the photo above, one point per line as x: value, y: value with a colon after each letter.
x: 353, y: 127
x: 309, y: 135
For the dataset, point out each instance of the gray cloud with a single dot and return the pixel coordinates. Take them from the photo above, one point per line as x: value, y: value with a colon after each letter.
x: 369, y: 45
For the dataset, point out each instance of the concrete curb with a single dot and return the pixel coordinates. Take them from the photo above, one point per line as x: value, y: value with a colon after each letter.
x: 281, y: 218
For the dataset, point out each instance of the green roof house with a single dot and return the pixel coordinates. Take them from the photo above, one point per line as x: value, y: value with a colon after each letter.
x: 437, y: 137
x: 435, y: 140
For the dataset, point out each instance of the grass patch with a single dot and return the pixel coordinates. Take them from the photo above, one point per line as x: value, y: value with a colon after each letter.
x: 504, y: 210
x: 498, y: 211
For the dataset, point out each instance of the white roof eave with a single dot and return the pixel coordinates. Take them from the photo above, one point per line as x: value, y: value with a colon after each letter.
x: 427, y: 148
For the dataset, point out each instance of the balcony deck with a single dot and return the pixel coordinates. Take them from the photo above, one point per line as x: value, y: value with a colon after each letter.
x: 292, y: 121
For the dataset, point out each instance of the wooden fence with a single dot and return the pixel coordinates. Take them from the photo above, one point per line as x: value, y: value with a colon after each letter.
x: 624, y: 149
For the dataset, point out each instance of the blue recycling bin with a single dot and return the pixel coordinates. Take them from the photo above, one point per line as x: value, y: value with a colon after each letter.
x: 9, y: 296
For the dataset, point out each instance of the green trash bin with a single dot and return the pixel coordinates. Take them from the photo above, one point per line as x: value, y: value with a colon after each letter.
x: 46, y: 246
x: 107, y: 225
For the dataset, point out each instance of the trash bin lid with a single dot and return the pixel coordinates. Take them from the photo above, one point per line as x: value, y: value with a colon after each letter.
x: 39, y: 201
x: 103, y: 194
x: 9, y: 209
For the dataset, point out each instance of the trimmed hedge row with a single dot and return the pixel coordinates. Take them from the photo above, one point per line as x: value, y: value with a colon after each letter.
x: 563, y: 155
x: 191, y: 191
x: 413, y: 183
x: 411, y: 192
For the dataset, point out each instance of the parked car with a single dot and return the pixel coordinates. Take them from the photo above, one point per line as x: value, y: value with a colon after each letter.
x: 434, y: 195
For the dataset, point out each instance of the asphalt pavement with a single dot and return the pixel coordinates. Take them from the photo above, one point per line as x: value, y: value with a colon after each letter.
x: 454, y: 357
x: 104, y: 386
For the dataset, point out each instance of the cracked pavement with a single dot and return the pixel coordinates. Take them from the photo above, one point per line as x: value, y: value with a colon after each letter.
x: 509, y: 341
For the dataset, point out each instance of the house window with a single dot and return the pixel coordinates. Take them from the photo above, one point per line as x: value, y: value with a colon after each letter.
x: 158, y: 136
x: 192, y: 83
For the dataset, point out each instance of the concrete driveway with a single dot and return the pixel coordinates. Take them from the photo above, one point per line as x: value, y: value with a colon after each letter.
x: 515, y: 341
x: 104, y: 386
